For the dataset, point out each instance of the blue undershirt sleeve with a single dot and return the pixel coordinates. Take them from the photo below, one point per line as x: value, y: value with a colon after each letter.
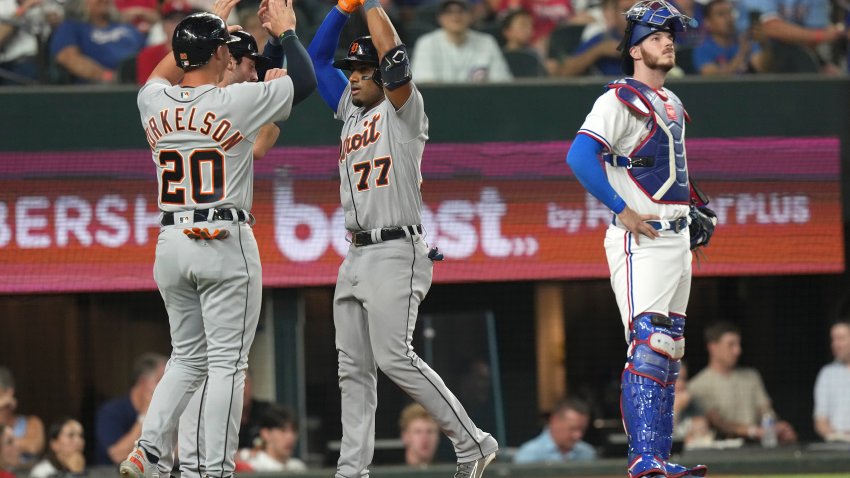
x: 583, y: 159
x: 332, y: 82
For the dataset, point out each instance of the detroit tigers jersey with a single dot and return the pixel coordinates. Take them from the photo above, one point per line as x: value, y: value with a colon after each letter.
x: 380, y: 159
x: 621, y: 131
x: 202, y: 139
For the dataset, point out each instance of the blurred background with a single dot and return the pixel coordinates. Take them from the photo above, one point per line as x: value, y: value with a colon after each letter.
x: 521, y: 315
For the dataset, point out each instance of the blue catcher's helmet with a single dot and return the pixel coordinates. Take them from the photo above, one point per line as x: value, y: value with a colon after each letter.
x: 647, y: 17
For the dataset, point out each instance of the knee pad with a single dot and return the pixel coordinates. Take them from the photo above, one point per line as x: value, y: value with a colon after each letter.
x: 653, y: 347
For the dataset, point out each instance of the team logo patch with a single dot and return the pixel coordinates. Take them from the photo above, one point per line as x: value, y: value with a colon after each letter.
x: 185, y: 95
x: 354, y: 47
x: 184, y: 56
x: 671, y: 112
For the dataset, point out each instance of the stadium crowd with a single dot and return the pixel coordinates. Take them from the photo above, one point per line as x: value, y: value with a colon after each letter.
x: 721, y: 404
x: 453, y: 41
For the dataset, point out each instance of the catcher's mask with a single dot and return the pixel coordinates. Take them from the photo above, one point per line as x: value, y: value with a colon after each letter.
x: 647, y: 17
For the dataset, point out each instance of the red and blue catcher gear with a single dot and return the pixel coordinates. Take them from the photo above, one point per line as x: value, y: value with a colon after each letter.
x: 647, y: 17
x: 654, y: 350
x: 658, y: 164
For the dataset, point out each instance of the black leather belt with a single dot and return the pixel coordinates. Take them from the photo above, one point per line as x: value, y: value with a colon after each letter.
x: 627, y: 162
x: 675, y: 225
x: 203, y: 215
x: 364, y: 238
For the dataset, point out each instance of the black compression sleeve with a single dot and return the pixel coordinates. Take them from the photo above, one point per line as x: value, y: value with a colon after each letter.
x: 298, y: 66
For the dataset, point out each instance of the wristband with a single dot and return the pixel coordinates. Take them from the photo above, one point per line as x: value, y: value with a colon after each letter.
x: 107, y: 76
x: 287, y: 34
x: 20, y: 11
x: 820, y: 36
x: 370, y: 4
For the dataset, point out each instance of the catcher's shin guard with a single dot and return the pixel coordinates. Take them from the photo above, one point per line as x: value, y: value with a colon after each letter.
x: 641, y: 403
x: 665, y: 444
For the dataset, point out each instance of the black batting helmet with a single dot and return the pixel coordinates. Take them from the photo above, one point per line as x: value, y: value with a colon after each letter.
x: 361, y: 50
x: 247, y: 46
x: 197, y: 37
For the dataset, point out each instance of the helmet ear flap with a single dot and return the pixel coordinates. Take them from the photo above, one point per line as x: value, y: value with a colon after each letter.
x: 376, y: 77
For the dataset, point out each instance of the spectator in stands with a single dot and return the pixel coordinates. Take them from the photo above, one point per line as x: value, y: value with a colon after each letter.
x: 27, y: 430
x: 64, y: 455
x: 722, y: 51
x: 734, y: 398
x: 118, y: 423
x: 142, y: 14
x: 832, y: 387
x: 561, y: 440
x: 172, y: 13
x: 456, y: 54
x: 800, y: 30
x: 598, y: 54
x: 522, y: 58
x: 24, y: 26
x: 546, y: 16
x: 690, y: 424
x: 253, y: 411
x: 278, y: 436
x: 91, y: 49
x: 10, y: 456
x: 420, y: 435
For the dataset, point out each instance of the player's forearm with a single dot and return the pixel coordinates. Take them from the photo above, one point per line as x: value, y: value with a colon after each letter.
x: 381, y: 28
x: 331, y: 82
x: 167, y: 68
x: 578, y: 64
x: 266, y: 139
x: 299, y: 67
x: 730, y: 428
x: 582, y: 159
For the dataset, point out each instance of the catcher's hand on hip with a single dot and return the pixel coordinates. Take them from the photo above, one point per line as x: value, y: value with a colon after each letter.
x: 636, y: 224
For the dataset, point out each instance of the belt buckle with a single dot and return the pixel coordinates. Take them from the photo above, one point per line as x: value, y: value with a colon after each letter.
x: 355, y: 239
x: 678, y: 225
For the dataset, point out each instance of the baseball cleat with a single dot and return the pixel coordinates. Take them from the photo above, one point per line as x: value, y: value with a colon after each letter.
x: 137, y: 465
x: 474, y: 468
x: 679, y: 471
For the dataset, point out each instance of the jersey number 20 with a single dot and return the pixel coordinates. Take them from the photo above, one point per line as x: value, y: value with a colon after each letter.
x: 205, y: 188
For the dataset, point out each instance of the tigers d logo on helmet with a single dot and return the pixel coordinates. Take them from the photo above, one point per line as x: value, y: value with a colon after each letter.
x: 354, y: 47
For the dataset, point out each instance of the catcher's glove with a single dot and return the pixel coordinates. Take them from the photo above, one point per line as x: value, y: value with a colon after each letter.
x: 702, y: 225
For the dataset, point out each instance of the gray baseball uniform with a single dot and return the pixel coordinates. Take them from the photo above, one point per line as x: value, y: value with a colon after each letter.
x: 202, y: 140
x: 380, y: 286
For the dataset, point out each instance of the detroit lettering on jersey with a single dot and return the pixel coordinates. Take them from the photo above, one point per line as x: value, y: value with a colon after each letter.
x: 178, y: 119
x: 356, y: 141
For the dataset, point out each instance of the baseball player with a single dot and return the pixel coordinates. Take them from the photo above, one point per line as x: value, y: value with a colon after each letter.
x: 245, y: 61
x: 387, y: 270
x: 207, y: 263
x: 638, y: 128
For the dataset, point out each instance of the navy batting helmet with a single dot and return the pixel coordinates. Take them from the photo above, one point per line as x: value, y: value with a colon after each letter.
x: 647, y: 17
x: 197, y: 37
x: 361, y: 50
x: 247, y: 47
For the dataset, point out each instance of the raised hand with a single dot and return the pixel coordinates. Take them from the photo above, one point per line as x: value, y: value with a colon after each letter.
x: 277, y: 16
x: 275, y: 73
x: 222, y: 8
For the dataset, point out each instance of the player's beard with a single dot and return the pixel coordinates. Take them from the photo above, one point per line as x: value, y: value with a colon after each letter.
x: 658, y: 62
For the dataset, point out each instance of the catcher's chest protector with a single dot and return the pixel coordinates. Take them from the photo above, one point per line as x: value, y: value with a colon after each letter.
x: 666, y: 180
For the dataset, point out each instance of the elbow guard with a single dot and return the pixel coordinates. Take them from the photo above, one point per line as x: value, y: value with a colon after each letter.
x: 395, y: 68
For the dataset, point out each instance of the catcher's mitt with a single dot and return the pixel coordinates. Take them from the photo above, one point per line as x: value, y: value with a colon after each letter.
x: 702, y: 225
